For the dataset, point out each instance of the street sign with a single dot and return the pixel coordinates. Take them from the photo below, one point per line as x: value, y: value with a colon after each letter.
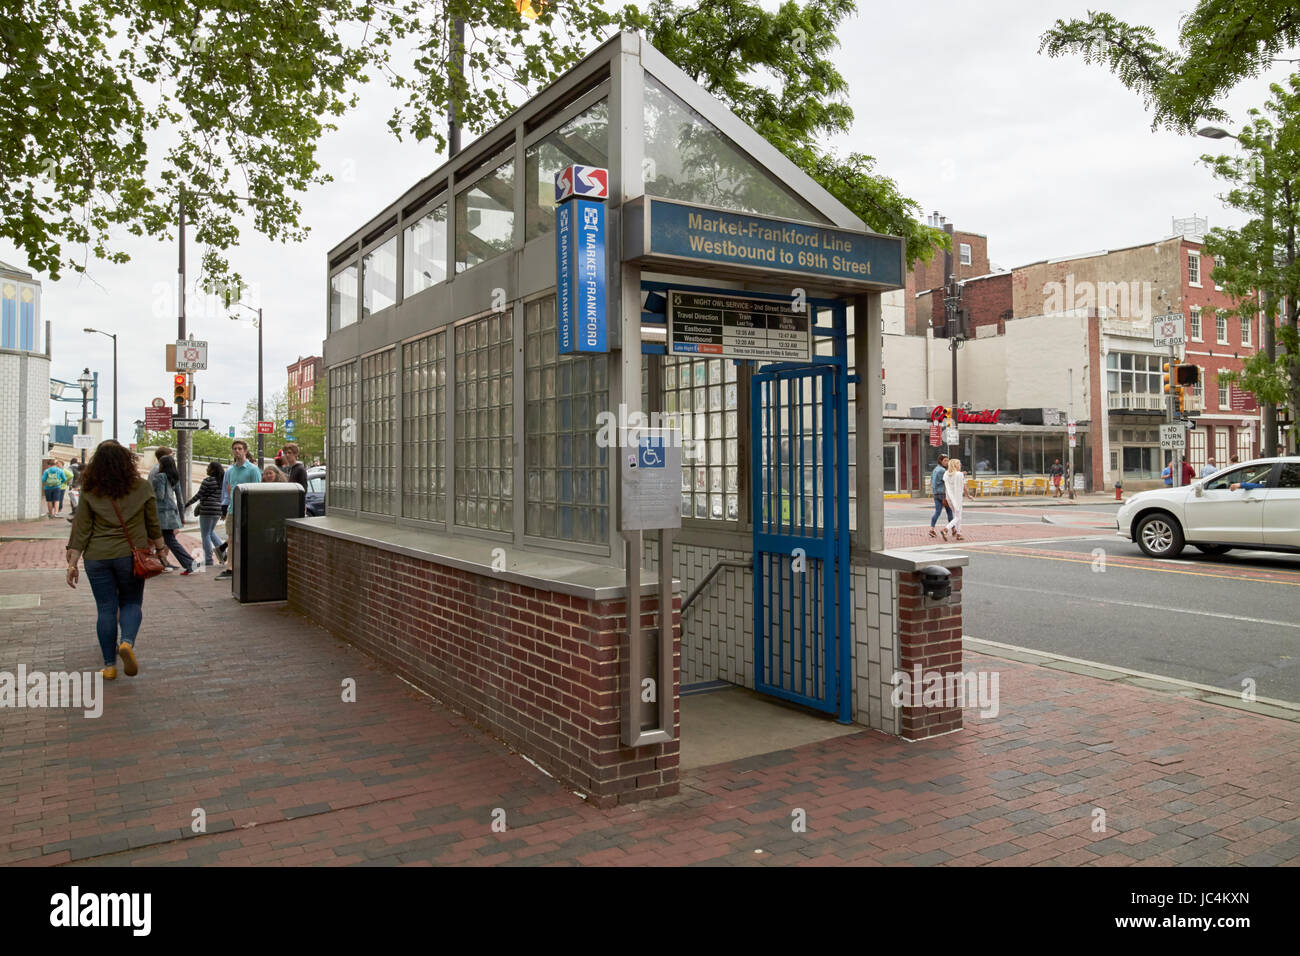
x: 288, y: 424
x: 1071, y: 428
x: 950, y: 437
x: 1073, y: 442
x: 159, y: 403
x: 191, y: 355
x: 266, y: 428
x: 1167, y: 330
x: 190, y: 424
x: 580, y: 275
x: 1172, y: 438
x: 83, y: 441
x: 738, y: 327
x: 158, y: 419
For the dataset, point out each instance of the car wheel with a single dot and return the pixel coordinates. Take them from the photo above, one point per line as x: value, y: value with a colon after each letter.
x: 1213, y: 548
x: 1159, y: 536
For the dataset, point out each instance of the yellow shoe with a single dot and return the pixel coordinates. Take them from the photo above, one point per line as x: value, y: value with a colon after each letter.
x: 109, y: 673
x: 127, y: 653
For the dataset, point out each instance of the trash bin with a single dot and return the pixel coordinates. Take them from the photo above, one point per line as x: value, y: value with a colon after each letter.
x: 260, y: 571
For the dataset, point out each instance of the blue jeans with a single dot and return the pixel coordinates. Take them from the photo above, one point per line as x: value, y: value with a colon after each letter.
x: 119, y: 598
x: 208, y: 534
x: 940, y: 504
x: 178, y: 549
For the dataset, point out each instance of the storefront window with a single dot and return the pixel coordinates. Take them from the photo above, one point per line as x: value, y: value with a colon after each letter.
x: 424, y: 251
x: 583, y: 140
x: 485, y: 215
x: 984, y: 456
x: 379, y: 278
x: 567, y: 473
x: 343, y: 298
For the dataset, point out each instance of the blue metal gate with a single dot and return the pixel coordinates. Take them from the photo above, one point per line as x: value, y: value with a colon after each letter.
x: 800, y: 507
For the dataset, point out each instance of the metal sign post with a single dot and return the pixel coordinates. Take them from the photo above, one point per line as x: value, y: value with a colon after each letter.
x: 651, y: 470
x: 1168, y: 331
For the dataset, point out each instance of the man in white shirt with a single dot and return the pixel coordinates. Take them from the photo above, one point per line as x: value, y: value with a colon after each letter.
x: 1209, y: 469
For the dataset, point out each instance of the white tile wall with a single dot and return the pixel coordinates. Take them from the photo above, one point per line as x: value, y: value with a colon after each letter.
x: 24, y: 412
x: 718, y: 631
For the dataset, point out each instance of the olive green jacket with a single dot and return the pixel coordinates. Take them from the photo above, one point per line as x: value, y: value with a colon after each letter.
x: 96, y: 532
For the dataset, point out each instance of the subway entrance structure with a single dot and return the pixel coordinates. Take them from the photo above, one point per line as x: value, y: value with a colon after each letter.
x: 583, y: 454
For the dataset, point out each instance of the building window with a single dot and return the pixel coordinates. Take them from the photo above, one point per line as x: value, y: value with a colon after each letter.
x: 342, y: 433
x: 1245, y: 330
x: 701, y: 397
x: 1221, y: 446
x: 1198, y: 390
x: 1194, y: 268
x: 379, y: 432
x: 343, y: 298
x: 1194, y: 315
x: 1218, y: 264
x: 485, y: 214
x: 424, y: 251
x: 485, y: 423
x: 583, y: 139
x: 1221, y: 327
x: 379, y: 278
x: 567, y: 472
x: 965, y: 253
x: 1223, y: 392
x: 424, y: 422
x: 1245, y: 451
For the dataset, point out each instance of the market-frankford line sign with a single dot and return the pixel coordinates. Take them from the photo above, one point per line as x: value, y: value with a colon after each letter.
x: 664, y: 229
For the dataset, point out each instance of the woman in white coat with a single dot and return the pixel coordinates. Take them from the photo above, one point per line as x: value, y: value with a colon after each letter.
x: 954, y: 488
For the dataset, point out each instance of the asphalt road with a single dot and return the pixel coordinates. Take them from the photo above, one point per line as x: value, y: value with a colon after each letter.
x: 1217, y: 621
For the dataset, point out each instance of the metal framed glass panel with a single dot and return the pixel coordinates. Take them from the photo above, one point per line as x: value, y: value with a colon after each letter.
x: 567, y: 488
x: 379, y: 278
x: 343, y: 298
x: 484, y: 423
x: 485, y: 214
x: 379, y: 432
x: 584, y: 140
x: 424, y: 251
x: 424, y: 418
x: 342, y: 436
x: 701, y: 396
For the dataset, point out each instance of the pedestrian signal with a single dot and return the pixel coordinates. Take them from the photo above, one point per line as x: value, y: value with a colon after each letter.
x: 1187, y: 375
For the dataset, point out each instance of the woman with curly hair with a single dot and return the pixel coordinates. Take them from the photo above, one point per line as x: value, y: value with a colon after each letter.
x: 118, y: 510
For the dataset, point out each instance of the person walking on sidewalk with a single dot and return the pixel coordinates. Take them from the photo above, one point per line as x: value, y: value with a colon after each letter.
x: 159, y: 453
x: 167, y: 489
x: 242, y: 472
x: 937, y: 490
x: 293, y: 468
x: 118, y: 510
x: 52, y: 480
x: 209, y: 510
x: 954, y: 484
x: 1210, y: 468
x: 1057, y: 471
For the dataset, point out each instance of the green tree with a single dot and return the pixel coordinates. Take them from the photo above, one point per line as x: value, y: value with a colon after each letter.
x: 1220, y: 43
x: 242, y: 91
x: 1264, y: 178
x: 207, y: 444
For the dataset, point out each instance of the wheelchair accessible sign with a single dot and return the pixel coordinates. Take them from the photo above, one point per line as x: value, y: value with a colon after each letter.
x: 652, y: 480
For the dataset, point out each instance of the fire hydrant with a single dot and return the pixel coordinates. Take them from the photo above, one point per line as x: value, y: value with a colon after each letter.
x: 1119, y: 491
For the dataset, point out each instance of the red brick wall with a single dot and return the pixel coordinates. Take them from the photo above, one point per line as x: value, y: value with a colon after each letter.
x: 540, y: 669
x: 929, y: 637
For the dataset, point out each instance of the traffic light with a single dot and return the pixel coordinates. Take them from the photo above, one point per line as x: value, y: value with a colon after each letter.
x: 1187, y: 375
x: 179, y: 389
x: 1182, y: 398
x: 1166, y: 380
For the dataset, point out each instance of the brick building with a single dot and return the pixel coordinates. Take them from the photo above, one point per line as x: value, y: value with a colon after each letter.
x: 304, y: 374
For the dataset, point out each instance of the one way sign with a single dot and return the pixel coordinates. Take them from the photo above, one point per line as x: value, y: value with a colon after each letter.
x: 190, y: 424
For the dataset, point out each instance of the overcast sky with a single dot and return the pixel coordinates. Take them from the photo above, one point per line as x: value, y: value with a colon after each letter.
x: 1046, y: 157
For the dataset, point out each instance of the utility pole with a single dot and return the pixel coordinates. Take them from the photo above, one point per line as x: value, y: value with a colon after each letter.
x: 1070, y: 436
x: 950, y: 309
x: 184, y: 447
x: 457, y: 57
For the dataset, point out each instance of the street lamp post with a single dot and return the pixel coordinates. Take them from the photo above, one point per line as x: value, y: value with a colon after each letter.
x: 1268, y: 412
x: 85, y: 381
x: 235, y: 318
x: 113, y: 336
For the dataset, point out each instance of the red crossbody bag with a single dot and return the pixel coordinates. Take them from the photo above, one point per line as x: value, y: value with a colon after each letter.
x: 146, y: 562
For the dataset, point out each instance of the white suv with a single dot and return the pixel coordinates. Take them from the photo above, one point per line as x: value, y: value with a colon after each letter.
x: 1262, y: 515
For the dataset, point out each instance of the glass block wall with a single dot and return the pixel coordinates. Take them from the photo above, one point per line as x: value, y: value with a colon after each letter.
x: 484, y: 420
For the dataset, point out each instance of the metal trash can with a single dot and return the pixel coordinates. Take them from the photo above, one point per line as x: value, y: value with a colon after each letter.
x: 260, y: 568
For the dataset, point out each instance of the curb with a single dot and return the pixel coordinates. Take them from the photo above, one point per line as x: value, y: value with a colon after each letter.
x: 1260, y: 706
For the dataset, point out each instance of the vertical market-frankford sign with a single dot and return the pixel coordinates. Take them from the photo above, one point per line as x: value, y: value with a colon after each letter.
x: 664, y: 229
x: 580, y: 258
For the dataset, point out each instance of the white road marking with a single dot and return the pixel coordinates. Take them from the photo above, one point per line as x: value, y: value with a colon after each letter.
x: 1149, y: 607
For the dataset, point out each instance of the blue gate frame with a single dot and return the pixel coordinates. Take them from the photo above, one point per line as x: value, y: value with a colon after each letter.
x: 799, y: 499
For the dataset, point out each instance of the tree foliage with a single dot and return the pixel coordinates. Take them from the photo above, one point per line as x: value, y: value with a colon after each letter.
x: 1264, y: 181
x: 1220, y: 43
x: 240, y: 93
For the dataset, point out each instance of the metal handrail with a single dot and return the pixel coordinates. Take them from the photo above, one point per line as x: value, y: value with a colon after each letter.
x: 713, y: 572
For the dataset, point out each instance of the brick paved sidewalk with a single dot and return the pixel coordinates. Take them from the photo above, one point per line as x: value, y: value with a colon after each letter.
x: 17, y: 555
x: 237, y: 711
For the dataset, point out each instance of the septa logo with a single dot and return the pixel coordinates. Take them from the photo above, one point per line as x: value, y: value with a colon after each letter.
x: 591, y: 182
